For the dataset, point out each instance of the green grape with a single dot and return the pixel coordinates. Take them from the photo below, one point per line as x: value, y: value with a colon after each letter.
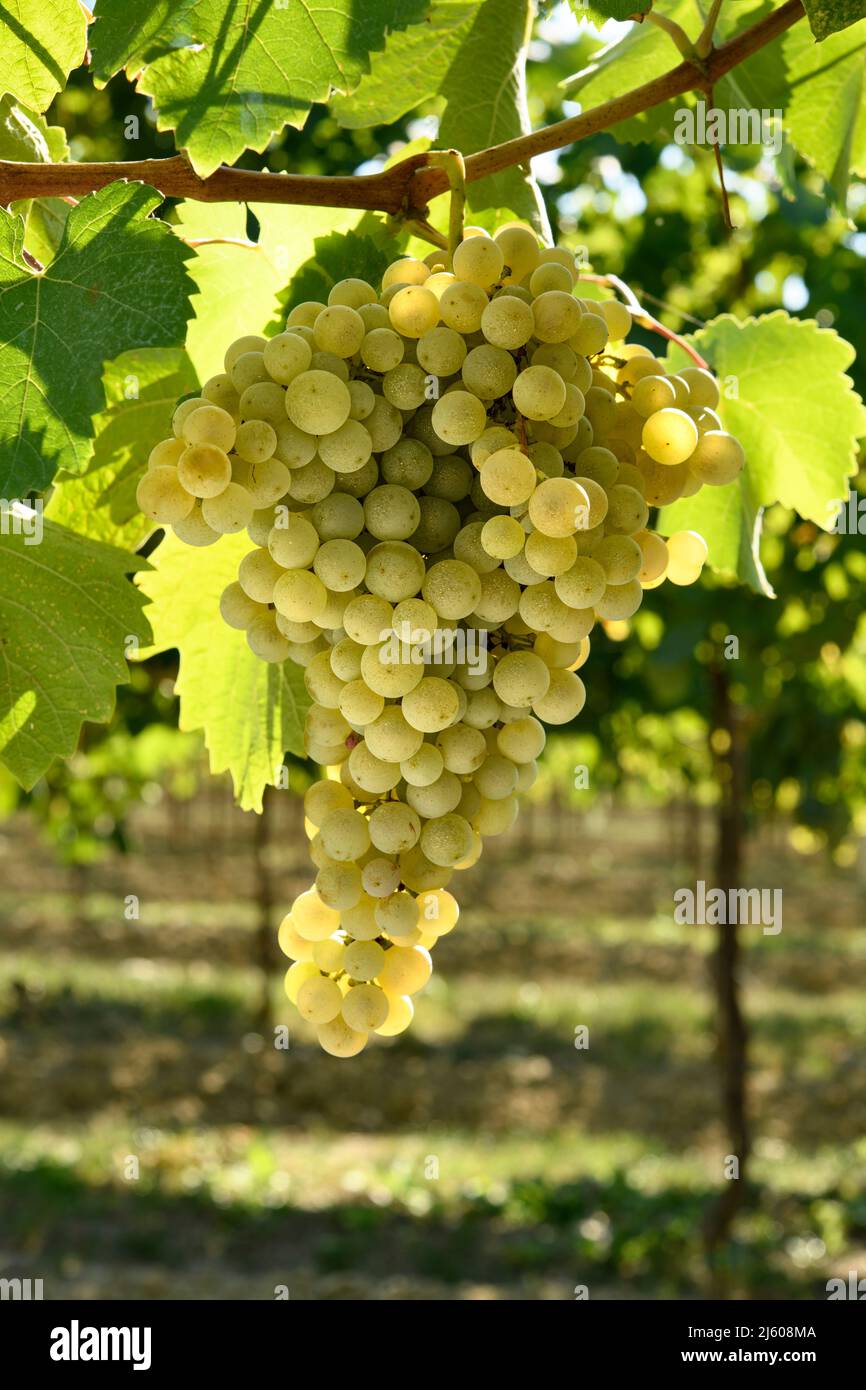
x: 241, y: 346
x: 328, y: 954
x: 478, y: 260
x: 687, y: 554
x: 311, y: 483
x: 391, y: 737
x: 368, y: 618
x: 395, y: 571
x: 620, y: 557
x: 360, y: 705
x: 446, y: 840
x: 294, y: 946
x: 339, y: 885
x: 441, y: 351
x: 463, y: 749
x: 583, y: 584
x: 263, y: 401
x: 219, y: 390
x: 345, y: 659
x: 431, y: 706
x: 419, y: 875
x: 669, y: 436
x: 365, y: 1008
x: 338, y: 517
x: 718, y: 458
x: 401, y: 1011
x: 394, y: 827
x: 258, y: 572
x: 462, y: 306
x: 391, y: 513
x: 313, y: 920
x: 356, y: 293
x: 539, y: 393
x: 237, y: 608
x: 299, y: 595
x: 295, y: 447
x: 319, y: 1000
x: 459, y: 417
x: 297, y: 975
x: 194, y: 530
x: 230, y: 512
x: 502, y: 537
x: 438, y: 525
x: 162, y: 496
x: 483, y: 708
x: 325, y: 796
x: 557, y: 507
x: 557, y: 316
x: 166, y: 453
x: 508, y: 477
x: 285, y: 357
x: 424, y: 767
x: 405, y: 386
x: 210, y: 424
x: 500, y: 597
x: 321, y: 683
x: 522, y: 740
x: 381, y: 879
x: 256, y: 441
x: 550, y: 555
x: 564, y: 699
x: 384, y: 424
x: 362, y: 960
x: 203, y: 470
x: 520, y: 677
x: 495, y: 817
x: 317, y: 402
x: 408, y: 271
x: 406, y: 970
x: 408, y: 463
x: 397, y: 916
x: 382, y: 350
x: 435, y: 798
x: 620, y: 601
x: 627, y: 511
x: 249, y: 370
x: 703, y: 387
x: 598, y: 464
x: 590, y: 335
x: 344, y: 835
x: 519, y: 246
x: 468, y: 548
x: 339, y: 329
x: 182, y: 413
x: 488, y: 372
x: 387, y: 676
x: 339, y: 1040
x: 294, y: 544
x: 340, y: 565
x: 363, y: 400
x: 452, y: 588
x: 347, y: 448
x: 451, y: 479
x: 359, y: 921
x: 413, y: 311
x: 653, y: 393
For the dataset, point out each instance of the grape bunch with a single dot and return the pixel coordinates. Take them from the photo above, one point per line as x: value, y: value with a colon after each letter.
x: 447, y: 483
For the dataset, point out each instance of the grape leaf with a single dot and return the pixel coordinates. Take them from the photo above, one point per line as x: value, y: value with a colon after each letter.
x: 117, y: 281
x: 67, y: 612
x: 142, y: 388
x: 247, y: 70
x: 826, y: 111
x: 124, y: 35
x: 485, y: 104
x: 336, y: 257
x: 598, y: 12
x: 251, y: 713
x: 411, y: 68
x: 828, y: 16
x: 40, y: 44
x: 26, y: 137
x: 786, y: 397
x: 237, y: 286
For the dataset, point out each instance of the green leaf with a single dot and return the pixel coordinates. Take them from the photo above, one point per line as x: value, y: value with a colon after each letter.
x: 247, y: 70
x: 485, y: 96
x: 336, y: 257
x: 828, y: 16
x: 787, y: 398
x: 237, y: 285
x: 142, y: 388
x: 411, y: 69
x: 251, y: 713
x: 118, y: 281
x: 123, y: 35
x: 600, y: 11
x: 26, y: 137
x: 67, y: 612
x: 40, y: 44
x: 826, y: 111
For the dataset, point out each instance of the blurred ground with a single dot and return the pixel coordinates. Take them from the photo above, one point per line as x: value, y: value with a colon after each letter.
x: 481, y: 1155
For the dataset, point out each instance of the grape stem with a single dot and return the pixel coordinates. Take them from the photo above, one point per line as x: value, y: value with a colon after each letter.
x: 454, y: 165
x: 643, y: 316
x: 407, y: 187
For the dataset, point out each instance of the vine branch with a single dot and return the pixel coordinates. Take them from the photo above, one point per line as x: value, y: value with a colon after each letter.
x: 407, y: 187
x: 643, y: 316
